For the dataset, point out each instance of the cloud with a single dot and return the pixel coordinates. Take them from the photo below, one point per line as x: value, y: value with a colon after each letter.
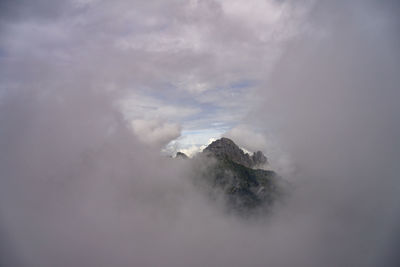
x: 78, y: 186
x: 138, y: 105
x: 331, y: 100
x: 155, y: 132
x: 265, y: 140
x: 246, y: 138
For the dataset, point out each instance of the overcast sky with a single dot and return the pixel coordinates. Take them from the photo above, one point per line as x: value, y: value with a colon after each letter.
x: 192, y: 64
x: 92, y: 90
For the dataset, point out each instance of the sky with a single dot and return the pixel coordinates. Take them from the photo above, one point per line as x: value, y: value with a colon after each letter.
x: 193, y: 65
x: 91, y: 91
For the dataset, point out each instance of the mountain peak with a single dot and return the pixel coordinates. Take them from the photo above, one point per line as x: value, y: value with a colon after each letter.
x: 226, y: 148
x: 181, y: 155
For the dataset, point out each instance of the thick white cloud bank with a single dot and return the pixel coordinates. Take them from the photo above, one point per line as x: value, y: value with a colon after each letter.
x: 91, y: 90
x: 154, y: 132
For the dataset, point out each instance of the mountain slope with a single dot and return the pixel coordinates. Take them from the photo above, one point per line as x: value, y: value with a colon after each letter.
x: 244, y: 188
x: 226, y: 172
x: 226, y: 148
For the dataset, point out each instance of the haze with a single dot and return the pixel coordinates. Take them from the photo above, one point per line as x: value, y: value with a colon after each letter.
x: 94, y: 96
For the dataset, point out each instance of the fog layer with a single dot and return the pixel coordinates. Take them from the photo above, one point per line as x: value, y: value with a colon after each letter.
x: 78, y: 187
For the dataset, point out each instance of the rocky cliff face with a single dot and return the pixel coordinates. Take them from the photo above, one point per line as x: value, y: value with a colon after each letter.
x: 181, y: 155
x: 259, y: 159
x: 225, y: 148
x: 224, y: 171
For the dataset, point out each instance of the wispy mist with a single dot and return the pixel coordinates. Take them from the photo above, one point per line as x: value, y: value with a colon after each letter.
x: 332, y: 98
x: 82, y: 181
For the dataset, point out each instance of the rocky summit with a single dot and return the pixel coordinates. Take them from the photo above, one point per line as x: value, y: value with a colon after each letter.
x: 181, y: 155
x: 225, y: 148
x: 228, y: 173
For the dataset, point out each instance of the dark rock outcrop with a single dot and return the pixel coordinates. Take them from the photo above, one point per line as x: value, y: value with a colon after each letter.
x: 225, y: 148
x: 259, y: 159
x: 227, y: 171
x: 181, y: 155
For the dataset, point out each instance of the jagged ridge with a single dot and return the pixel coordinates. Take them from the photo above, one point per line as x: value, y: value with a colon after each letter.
x: 226, y: 148
x: 229, y: 170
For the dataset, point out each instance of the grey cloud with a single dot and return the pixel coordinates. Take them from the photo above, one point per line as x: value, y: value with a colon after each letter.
x: 332, y: 97
x: 155, y: 132
x: 78, y: 188
x: 246, y: 138
x: 22, y: 9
